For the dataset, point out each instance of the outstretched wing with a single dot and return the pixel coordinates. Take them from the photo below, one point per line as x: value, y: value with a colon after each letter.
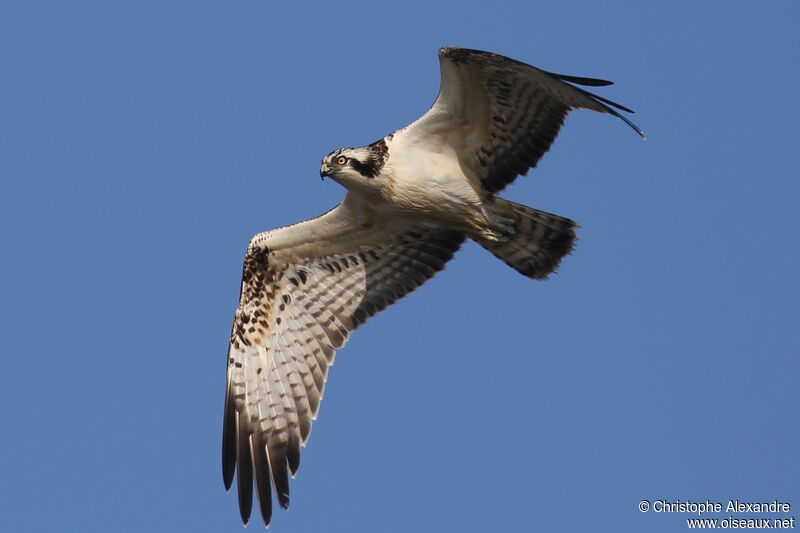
x: 304, y: 289
x: 500, y: 115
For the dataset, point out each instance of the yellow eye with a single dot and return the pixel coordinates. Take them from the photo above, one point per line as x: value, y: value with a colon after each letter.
x: 341, y: 160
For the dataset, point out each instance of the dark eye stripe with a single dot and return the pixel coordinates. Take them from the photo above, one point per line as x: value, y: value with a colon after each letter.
x: 368, y: 169
x: 378, y: 153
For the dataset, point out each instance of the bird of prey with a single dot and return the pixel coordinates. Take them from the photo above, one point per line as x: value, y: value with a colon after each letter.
x: 412, y: 198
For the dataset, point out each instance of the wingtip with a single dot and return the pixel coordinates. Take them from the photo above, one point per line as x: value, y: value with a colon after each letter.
x: 228, y: 470
x: 633, y: 126
x: 581, y: 80
x: 608, y: 106
x: 282, y: 490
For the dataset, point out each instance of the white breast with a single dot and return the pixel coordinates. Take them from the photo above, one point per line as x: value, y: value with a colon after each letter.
x: 428, y: 178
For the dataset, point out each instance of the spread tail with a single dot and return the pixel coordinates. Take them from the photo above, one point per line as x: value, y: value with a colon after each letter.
x: 533, y: 241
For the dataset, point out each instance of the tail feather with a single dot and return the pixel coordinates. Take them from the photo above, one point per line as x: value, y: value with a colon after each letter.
x: 537, y: 243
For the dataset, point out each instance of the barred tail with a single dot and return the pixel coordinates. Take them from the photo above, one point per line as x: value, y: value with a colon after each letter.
x: 537, y: 243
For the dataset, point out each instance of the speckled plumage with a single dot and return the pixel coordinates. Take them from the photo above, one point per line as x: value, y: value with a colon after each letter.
x: 413, y: 197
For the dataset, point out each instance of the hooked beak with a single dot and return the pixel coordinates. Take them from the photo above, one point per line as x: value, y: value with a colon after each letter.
x: 324, y: 170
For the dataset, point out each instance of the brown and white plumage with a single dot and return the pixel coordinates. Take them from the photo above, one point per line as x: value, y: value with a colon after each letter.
x: 413, y: 197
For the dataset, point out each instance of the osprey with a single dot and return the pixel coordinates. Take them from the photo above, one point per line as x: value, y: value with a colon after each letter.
x: 412, y: 198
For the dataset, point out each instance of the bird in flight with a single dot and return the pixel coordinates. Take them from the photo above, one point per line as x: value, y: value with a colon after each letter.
x: 412, y: 199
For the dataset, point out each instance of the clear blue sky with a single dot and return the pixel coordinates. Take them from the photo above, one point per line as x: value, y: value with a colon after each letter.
x: 141, y: 145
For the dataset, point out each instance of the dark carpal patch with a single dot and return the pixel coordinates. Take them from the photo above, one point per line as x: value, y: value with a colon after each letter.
x: 259, y: 284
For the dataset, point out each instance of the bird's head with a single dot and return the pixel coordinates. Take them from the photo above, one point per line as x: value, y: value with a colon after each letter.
x: 358, y: 169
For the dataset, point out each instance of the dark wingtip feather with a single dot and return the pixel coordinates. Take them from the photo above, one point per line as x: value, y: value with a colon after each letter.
x: 608, y: 104
x: 293, y: 456
x: 228, y: 443
x: 580, y: 80
x: 633, y: 126
x: 244, y: 477
x: 263, y: 487
x: 280, y: 473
